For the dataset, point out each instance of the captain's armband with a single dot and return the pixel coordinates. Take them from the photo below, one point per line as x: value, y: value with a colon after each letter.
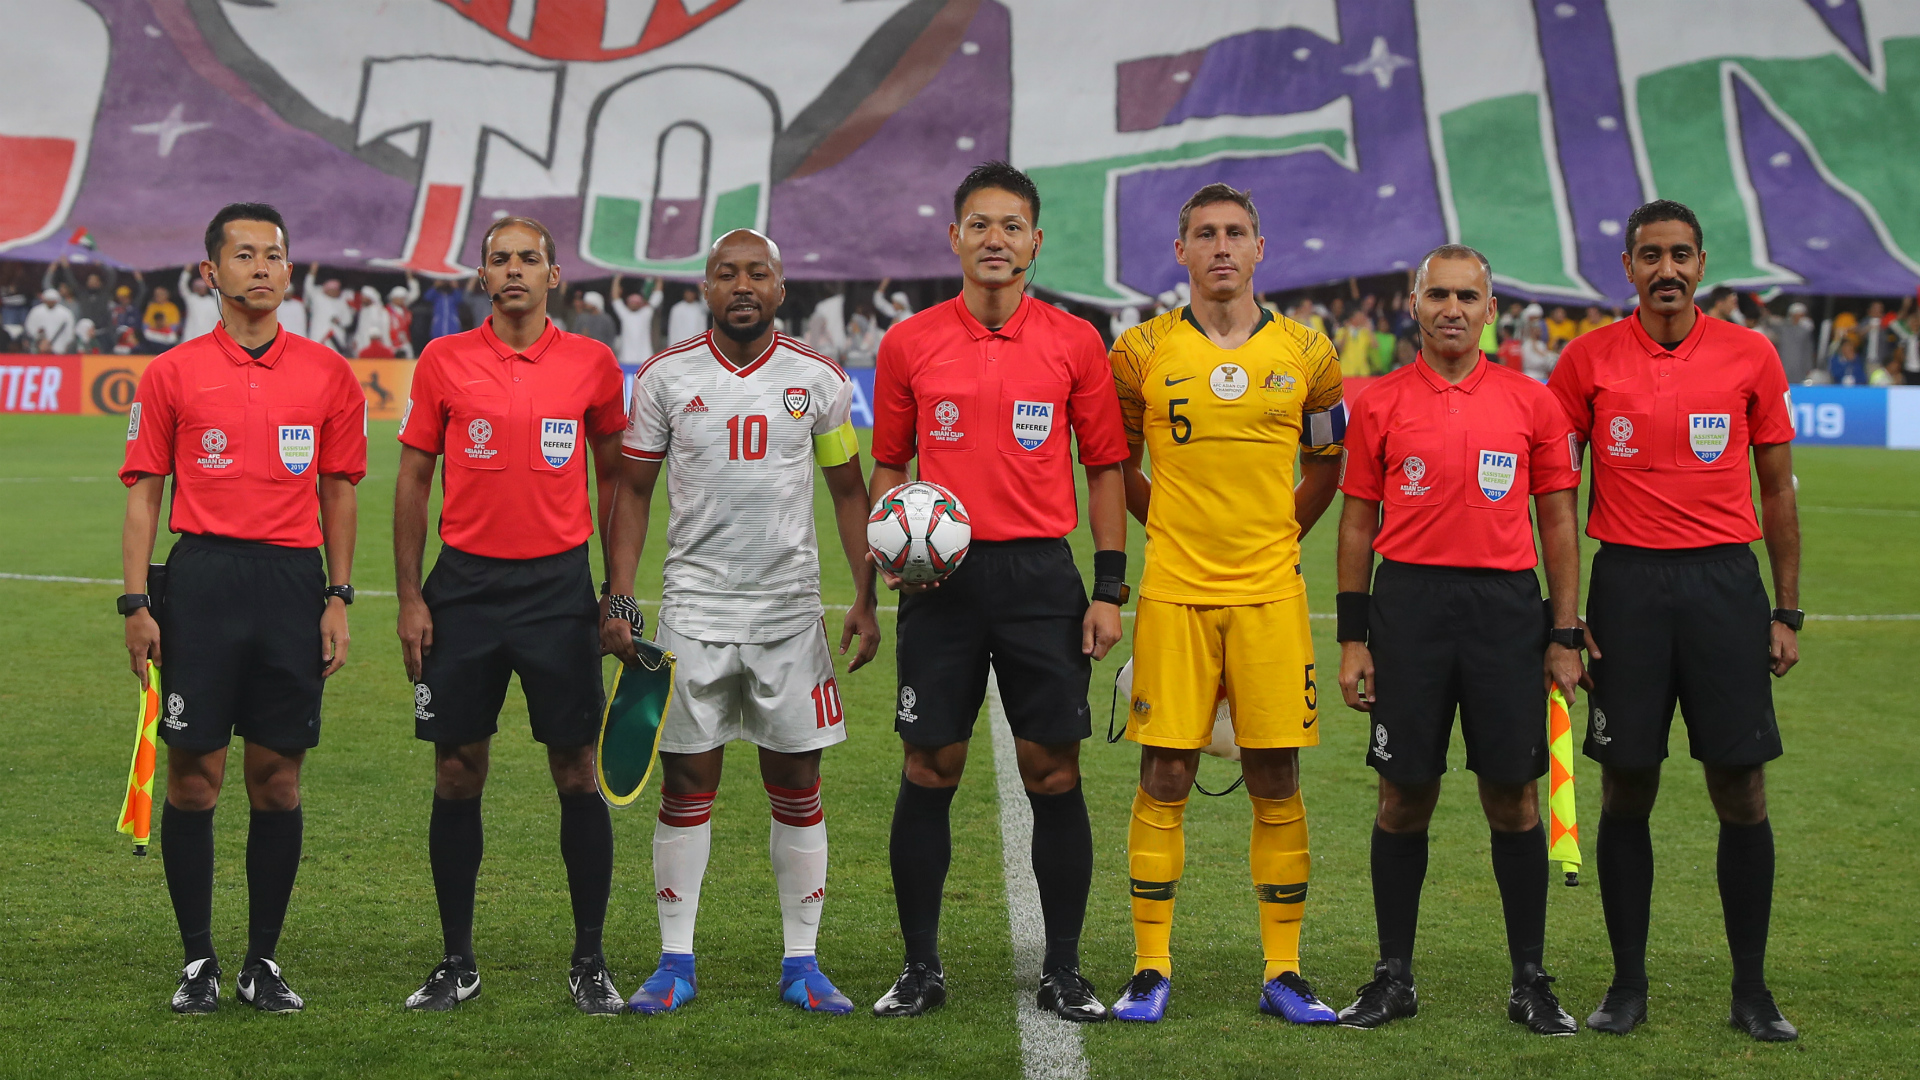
x: 1324, y: 428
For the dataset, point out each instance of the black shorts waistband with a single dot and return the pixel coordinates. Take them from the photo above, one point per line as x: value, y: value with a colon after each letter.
x: 558, y: 558
x: 252, y: 549
x: 1457, y: 573
x: 1710, y: 553
x: 1034, y: 545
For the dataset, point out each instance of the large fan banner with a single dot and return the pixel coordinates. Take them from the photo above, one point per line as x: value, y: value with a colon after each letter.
x: 391, y: 131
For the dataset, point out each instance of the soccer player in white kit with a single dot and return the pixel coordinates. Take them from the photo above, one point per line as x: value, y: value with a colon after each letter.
x: 742, y: 414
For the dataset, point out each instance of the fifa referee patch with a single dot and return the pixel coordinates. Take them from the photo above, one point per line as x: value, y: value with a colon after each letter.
x: 1326, y: 427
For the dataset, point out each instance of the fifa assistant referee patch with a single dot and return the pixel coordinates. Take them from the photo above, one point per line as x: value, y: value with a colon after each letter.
x: 1497, y: 469
x: 296, y: 447
x: 1326, y: 427
x: 630, y: 728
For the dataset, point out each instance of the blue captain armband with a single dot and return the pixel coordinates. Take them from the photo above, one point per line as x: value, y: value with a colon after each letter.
x: 1324, y: 428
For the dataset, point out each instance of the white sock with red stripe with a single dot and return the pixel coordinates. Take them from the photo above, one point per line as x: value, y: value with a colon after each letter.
x: 682, y: 840
x: 797, y: 846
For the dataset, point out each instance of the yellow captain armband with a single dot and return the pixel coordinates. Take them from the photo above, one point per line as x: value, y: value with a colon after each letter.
x: 836, y: 447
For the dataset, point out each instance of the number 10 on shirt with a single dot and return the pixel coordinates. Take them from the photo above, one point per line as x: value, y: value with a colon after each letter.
x: 746, y: 438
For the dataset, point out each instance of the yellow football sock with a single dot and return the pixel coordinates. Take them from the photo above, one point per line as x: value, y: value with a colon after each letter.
x: 1278, y: 853
x: 1156, y: 854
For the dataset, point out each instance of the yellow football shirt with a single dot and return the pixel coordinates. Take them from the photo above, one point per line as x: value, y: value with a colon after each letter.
x: 1221, y: 428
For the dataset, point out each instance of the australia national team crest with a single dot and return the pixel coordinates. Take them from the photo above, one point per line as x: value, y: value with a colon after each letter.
x: 796, y: 402
x: 296, y: 447
x: 1032, y: 423
x: 1497, y: 468
x: 557, y: 440
x: 1707, y: 434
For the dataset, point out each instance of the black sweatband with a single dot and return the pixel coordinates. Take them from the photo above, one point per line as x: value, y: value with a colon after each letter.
x: 1350, y: 618
x: 1109, y: 566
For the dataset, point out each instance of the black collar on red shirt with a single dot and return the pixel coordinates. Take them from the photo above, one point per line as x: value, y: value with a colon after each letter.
x: 539, y: 347
x: 1265, y: 318
x: 1441, y: 385
x: 978, y: 330
x: 1684, y: 350
x: 267, y: 355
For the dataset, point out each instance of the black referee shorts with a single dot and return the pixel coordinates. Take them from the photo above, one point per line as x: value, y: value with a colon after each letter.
x: 495, y: 618
x: 1016, y: 605
x: 1447, y: 637
x: 240, y: 644
x: 1691, y: 626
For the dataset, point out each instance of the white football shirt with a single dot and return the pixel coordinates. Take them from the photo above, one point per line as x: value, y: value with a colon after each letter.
x: 742, y: 563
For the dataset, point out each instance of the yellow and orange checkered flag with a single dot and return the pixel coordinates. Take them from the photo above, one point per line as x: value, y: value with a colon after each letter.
x: 1563, y: 828
x: 136, y: 810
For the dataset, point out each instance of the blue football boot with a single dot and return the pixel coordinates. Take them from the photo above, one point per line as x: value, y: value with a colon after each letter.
x: 803, y: 984
x: 670, y: 986
x: 1145, y: 999
x: 1288, y: 996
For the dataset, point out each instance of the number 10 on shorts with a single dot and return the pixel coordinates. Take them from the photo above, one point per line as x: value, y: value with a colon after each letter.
x: 826, y: 705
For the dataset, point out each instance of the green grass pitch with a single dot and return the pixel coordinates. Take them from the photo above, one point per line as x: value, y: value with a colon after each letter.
x: 88, y: 952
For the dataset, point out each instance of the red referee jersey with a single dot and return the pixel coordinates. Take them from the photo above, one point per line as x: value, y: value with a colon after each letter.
x: 1453, y: 465
x: 514, y: 428
x: 1669, y: 429
x: 989, y: 412
x: 247, y: 440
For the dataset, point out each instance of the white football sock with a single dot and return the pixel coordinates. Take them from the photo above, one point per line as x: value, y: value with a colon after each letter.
x: 682, y: 841
x: 797, y: 846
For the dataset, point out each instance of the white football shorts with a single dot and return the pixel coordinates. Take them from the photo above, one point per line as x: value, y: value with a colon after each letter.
x: 779, y: 695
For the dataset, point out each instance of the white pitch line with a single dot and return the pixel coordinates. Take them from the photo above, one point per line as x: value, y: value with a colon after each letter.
x: 1050, y: 1047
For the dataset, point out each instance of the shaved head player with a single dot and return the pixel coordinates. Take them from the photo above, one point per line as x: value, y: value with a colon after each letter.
x: 513, y: 405
x: 739, y: 417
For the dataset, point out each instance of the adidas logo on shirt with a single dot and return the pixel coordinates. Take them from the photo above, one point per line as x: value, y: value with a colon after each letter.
x: 696, y: 405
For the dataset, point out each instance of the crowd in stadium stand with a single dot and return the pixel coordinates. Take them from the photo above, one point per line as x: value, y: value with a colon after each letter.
x: 71, y: 307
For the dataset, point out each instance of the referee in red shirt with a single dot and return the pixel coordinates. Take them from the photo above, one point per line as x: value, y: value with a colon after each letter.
x: 1670, y: 402
x: 1441, y: 458
x: 945, y: 389
x: 513, y: 405
x: 264, y: 434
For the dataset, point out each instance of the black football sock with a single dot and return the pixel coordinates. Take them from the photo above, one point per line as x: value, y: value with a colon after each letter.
x: 1745, y: 867
x: 454, y: 844
x: 920, y: 849
x: 186, y: 849
x: 1063, y: 870
x: 1399, y: 871
x: 1520, y: 868
x: 273, y: 858
x: 586, y: 845
x: 1624, y: 855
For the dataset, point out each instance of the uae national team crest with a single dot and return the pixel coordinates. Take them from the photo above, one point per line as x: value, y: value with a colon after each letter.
x: 1707, y: 434
x: 1229, y: 382
x: 796, y: 401
x: 1415, y: 470
x: 296, y: 447
x: 1497, y: 469
x: 1032, y: 423
x: 557, y: 440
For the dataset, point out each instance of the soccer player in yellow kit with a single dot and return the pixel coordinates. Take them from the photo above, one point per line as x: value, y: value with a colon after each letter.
x: 1221, y: 395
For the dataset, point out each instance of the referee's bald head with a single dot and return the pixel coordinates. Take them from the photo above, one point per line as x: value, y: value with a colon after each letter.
x: 1452, y: 251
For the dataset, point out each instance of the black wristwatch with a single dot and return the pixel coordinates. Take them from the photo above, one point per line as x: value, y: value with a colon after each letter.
x: 344, y: 592
x: 1111, y: 592
x: 1571, y: 637
x: 132, y: 602
x: 1791, y: 618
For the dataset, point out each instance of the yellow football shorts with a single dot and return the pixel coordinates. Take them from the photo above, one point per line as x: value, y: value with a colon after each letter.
x: 1260, y: 654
